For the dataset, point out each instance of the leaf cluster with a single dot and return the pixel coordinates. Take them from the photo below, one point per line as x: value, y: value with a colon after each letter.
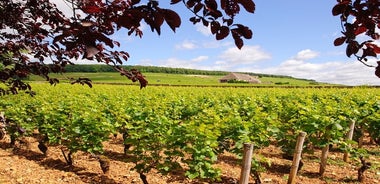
x: 38, y: 38
x: 366, y: 20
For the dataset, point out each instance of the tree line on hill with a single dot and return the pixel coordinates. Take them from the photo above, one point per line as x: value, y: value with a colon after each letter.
x: 94, y: 68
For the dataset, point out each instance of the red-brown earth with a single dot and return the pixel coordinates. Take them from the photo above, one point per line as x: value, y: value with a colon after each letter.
x: 26, y: 164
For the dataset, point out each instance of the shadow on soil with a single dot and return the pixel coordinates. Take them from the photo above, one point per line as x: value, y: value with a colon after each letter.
x: 230, y: 160
x: 118, y: 156
x: 278, y: 169
x: 179, y: 174
x: 309, y: 174
x: 57, y: 164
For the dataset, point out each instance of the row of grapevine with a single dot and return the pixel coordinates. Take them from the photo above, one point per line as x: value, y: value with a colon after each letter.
x: 169, y: 128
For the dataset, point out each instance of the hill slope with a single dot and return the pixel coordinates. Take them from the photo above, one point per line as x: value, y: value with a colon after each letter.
x: 177, y: 79
x: 171, y: 76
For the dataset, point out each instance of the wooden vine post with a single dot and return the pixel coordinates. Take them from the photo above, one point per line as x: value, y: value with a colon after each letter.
x: 322, y: 167
x: 349, y: 137
x: 296, y: 157
x: 246, y: 167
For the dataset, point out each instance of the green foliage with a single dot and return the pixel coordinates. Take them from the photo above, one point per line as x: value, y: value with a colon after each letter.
x: 186, y: 128
x: 282, y: 83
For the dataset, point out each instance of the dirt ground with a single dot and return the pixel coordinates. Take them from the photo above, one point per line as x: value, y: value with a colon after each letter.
x: 26, y: 164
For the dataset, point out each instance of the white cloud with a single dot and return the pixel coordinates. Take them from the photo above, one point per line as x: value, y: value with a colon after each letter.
x: 216, y: 44
x: 65, y: 7
x: 147, y: 62
x: 203, y: 29
x: 299, y: 65
x: 86, y: 61
x: 186, y: 45
x: 306, y: 54
x: 209, y: 44
x: 192, y: 63
x: 181, y: 63
x: 336, y: 72
x: 345, y: 71
x: 199, y: 59
x: 247, y: 55
x: 221, y: 62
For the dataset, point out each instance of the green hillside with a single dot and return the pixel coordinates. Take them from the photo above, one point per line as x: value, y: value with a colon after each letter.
x: 176, y: 79
x: 171, y: 76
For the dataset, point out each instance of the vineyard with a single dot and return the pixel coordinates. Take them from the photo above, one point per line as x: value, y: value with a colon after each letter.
x: 186, y: 129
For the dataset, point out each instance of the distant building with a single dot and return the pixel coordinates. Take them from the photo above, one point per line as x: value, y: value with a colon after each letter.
x: 240, y: 78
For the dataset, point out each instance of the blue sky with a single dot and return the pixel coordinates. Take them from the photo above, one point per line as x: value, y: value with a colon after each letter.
x: 293, y: 37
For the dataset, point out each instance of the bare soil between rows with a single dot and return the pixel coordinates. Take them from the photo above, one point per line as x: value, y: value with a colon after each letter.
x: 25, y: 164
